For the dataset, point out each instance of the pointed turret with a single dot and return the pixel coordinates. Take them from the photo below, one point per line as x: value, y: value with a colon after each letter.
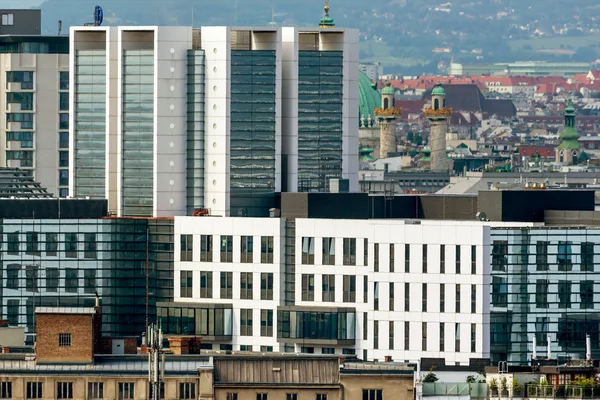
x: 326, y: 21
x: 569, y: 148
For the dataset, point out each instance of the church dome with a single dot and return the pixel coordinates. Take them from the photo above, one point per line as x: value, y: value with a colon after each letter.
x: 388, y: 89
x: 438, y: 90
x: 368, y: 96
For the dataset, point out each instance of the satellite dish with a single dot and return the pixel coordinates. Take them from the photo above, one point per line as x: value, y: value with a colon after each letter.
x: 98, y: 16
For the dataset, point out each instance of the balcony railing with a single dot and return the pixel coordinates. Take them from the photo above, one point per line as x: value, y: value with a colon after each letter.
x: 563, y: 392
x: 474, y: 390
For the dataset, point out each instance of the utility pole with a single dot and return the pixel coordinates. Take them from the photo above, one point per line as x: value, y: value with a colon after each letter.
x: 156, y: 360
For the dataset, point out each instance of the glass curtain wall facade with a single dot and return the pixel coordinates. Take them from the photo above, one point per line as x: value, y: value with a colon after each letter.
x: 62, y: 263
x: 138, y: 132
x: 90, y: 123
x: 252, y: 142
x: 195, y: 129
x: 544, y: 282
x: 320, y: 98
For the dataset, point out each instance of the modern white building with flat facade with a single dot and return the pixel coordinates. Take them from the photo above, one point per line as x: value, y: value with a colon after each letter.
x: 173, y: 119
x: 402, y: 288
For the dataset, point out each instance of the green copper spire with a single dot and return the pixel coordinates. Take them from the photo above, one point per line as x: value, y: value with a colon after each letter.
x: 569, y: 135
x: 438, y: 90
x: 326, y: 21
x: 388, y: 89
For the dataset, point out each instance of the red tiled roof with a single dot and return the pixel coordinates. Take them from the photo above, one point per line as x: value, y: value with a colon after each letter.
x: 544, y: 151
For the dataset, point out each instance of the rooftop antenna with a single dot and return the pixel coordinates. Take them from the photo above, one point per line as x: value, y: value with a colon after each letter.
x: 59, y: 26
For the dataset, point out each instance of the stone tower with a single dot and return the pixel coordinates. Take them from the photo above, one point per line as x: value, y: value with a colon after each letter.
x: 387, y: 121
x: 569, y: 148
x: 438, y: 114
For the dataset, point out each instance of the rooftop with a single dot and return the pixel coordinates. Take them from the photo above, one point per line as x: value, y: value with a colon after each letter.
x: 65, y: 310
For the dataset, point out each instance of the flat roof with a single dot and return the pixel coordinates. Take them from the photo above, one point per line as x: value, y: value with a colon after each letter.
x: 65, y: 310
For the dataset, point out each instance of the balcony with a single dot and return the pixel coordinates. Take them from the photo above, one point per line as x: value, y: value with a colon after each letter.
x: 473, y: 390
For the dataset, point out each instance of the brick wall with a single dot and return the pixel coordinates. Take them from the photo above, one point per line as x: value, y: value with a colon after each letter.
x: 48, y: 328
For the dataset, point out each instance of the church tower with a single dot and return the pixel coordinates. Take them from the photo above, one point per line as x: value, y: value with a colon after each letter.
x: 386, y: 116
x: 438, y: 115
x: 326, y: 21
x: 569, y: 149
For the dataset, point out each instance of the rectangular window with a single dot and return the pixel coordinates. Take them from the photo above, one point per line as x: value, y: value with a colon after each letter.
x: 64, y: 339
x: 266, y: 323
x: 564, y: 256
x: 376, y: 257
x: 206, y: 284
x: 185, y: 283
x: 499, y: 292
x: 424, y: 336
x: 89, y: 281
x: 391, y: 335
x: 424, y: 298
x: 406, y: 335
x: 63, y: 77
x: 473, y: 299
x: 8, y: 19
x: 541, y: 329
x: 349, y: 288
x: 12, y: 312
x: 473, y: 338
x: 63, y: 101
x: 424, y: 258
x: 321, y: 396
x: 366, y: 252
x: 473, y: 260
x: 71, y: 245
x: 457, y: 337
x: 457, y: 298
x: 407, y: 258
x: 392, y: 257
x: 247, y: 251
x: 89, y: 246
x: 23, y: 77
x: 365, y: 326
x: 564, y: 294
x: 442, y: 259
x: 266, y: 249
x: 71, y: 280
x: 328, y: 292
x: 308, y: 287
x: 586, y: 292
x: 126, y: 390
x: 226, y: 285
x: 587, y: 257
x: 245, y: 322
x: 34, y: 390
x: 372, y: 394
x: 63, y: 140
x: 32, y: 244
x: 376, y: 335
x: 63, y: 159
x: 205, y: 248
x: 95, y: 390
x: 391, y: 305
x: 246, y: 285
x: 5, y: 390
x: 328, y: 251
x: 365, y: 289
x: 187, y: 390
x: 64, y: 390
x: 457, y: 259
x: 51, y: 244
x: 349, y: 251
x: 262, y: 396
x: 442, y: 336
x: 232, y: 396
x: 31, y: 278
x: 266, y: 286
x: 308, y: 250
x: 541, y: 293
x: 186, y: 250
x: 63, y: 121
x: 266, y: 349
x: 13, y: 243
x: 12, y: 276
x: 407, y: 296
x: 442, y: 297
x: 376, y: 295
x: 52, y: 278
x: 226, y: 248
x: 499, y: 255
x: 291, y: 396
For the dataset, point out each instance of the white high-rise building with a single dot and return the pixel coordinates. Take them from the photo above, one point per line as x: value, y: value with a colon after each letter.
x: 34, y: 107
x: 173, y: 119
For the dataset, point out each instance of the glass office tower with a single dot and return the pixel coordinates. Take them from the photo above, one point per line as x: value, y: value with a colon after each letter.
x: 544, y: 281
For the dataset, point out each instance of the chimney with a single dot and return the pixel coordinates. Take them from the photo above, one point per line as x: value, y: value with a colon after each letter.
x: 388, y: 359
x: 588, y: 348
